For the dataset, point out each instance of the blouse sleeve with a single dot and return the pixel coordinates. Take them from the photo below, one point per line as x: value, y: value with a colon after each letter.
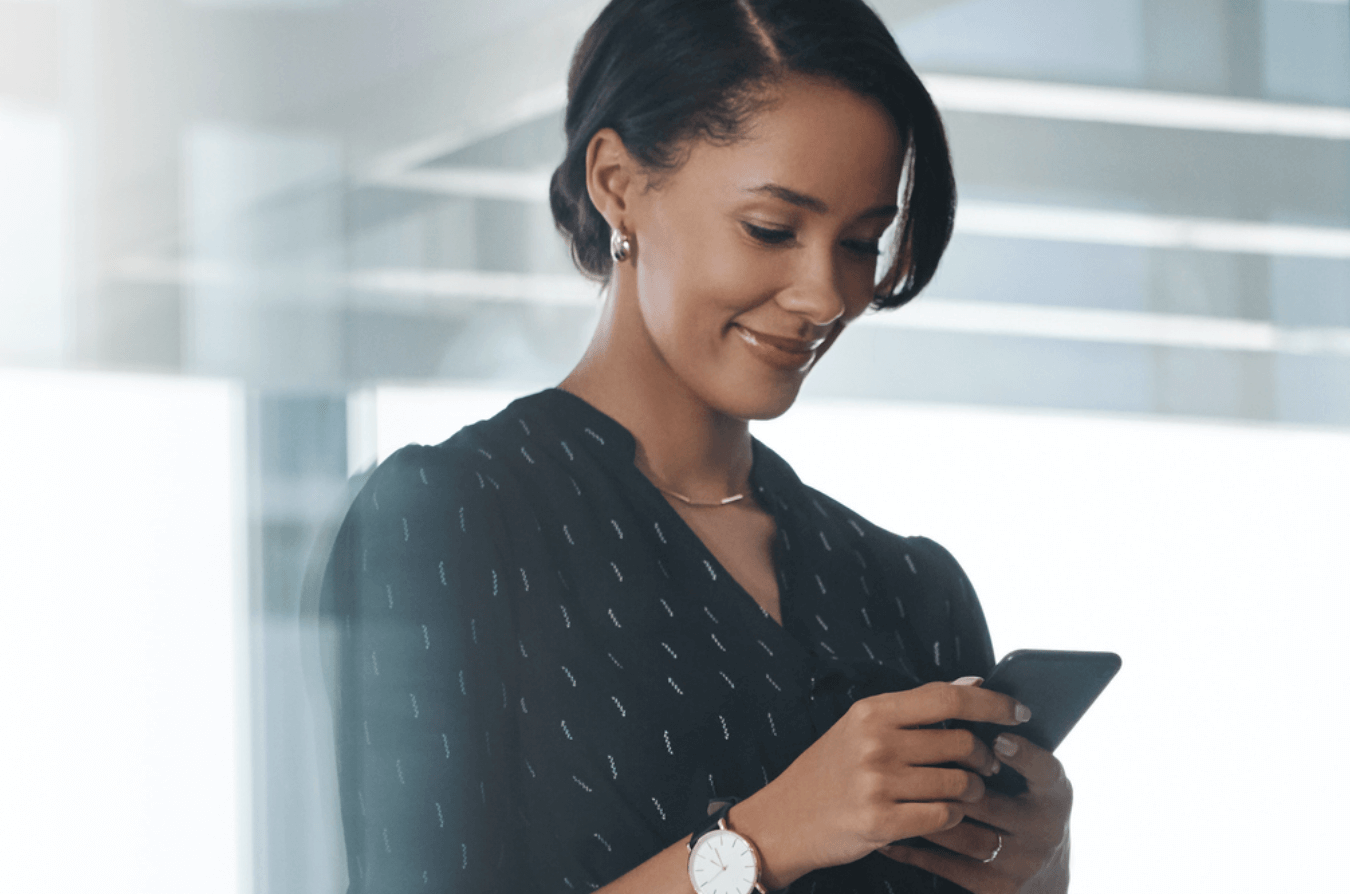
x: 972, y: 649
x: 942, y: 620
x: 423, y: 735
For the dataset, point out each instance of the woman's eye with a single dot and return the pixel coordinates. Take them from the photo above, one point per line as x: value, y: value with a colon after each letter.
x: 770, y: 236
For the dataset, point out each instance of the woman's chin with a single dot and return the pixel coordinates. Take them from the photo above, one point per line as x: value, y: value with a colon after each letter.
x: 759, y: 401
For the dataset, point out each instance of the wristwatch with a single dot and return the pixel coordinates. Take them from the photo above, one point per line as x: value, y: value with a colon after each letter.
x: 722, y: 861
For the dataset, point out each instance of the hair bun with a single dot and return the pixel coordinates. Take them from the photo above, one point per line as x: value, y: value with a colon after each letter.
x: 580, y: 222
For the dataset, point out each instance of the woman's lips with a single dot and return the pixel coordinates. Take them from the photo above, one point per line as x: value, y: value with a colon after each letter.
x: 782, y: 353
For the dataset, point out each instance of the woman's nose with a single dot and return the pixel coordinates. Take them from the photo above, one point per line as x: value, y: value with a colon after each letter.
x: 815, y: 293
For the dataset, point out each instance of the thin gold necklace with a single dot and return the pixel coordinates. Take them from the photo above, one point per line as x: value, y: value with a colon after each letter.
x: 723, y: 502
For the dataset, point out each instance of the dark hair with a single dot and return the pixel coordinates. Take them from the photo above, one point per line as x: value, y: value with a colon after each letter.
x: 662, y: 73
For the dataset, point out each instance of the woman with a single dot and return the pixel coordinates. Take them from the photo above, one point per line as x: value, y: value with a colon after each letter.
x: 576, y: 630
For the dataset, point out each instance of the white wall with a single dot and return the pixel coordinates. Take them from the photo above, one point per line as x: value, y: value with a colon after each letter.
x: 123, y: 765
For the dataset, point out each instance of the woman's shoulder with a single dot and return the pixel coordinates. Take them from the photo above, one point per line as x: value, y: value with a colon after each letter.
x: 938, y: 608
x: 908, y: 550
x: 427, y: 514
x: 422, y: 492
x: 917, y: 554
x: 418, y: 473
x: 463, y: 461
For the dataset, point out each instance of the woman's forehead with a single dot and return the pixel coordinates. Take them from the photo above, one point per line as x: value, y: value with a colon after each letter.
x: 813, y: 139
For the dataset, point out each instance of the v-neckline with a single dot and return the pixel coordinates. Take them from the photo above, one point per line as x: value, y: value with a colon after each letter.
x: 742, y: 539
x: 681, y: 528
x: 781, y: 633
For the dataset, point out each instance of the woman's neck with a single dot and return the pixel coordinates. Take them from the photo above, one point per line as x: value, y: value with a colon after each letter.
x: 683, y: 445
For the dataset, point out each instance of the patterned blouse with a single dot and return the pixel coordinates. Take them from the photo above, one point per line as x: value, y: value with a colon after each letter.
x: 544, y: 675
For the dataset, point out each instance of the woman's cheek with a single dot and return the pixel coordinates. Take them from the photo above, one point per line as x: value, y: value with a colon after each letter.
x: 746, y: 278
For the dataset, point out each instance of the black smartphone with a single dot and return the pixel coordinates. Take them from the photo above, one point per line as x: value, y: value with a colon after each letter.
x: 1057, y: 686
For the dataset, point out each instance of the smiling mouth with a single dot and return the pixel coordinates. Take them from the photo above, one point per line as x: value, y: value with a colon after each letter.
x: 783, y: 353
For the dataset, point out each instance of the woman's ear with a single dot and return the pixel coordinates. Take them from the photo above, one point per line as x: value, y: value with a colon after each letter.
x: 611, y: 175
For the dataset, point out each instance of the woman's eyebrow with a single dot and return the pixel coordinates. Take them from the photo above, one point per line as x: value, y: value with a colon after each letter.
x: 811, y: 203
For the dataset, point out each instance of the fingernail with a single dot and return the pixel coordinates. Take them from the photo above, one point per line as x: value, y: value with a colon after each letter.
x: 1023, y: 713
x: 968, y: 681
x: 995, y: 768
x: 1005, y: 746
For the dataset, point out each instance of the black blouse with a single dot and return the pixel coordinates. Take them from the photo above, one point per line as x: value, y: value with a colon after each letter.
x: 544, y: 675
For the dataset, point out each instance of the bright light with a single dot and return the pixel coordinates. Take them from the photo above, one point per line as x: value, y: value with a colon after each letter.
x: 1144, y: 108
x: 1114, y: 326
x: 1063, y: 224
x: 124, y: 762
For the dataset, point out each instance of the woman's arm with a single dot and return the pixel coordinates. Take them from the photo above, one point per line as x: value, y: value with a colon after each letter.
x: 425, y: 748
x: 668, y: 871
x: 874, y: 777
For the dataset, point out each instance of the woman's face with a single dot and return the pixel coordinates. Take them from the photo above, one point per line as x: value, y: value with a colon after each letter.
x: 751, y: 258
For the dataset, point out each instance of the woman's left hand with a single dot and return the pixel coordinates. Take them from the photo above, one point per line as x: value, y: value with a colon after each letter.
x: 1034, y: 830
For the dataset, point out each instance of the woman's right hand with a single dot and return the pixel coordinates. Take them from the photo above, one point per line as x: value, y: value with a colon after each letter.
x: 874, y: 777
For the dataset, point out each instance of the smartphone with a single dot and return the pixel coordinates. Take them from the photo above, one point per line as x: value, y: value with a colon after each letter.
x: 1057, y: 686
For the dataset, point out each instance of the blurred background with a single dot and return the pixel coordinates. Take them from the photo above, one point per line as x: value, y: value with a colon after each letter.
x: 249, y: 247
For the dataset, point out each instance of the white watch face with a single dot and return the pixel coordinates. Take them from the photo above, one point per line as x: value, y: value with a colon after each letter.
x: 722, y: 863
